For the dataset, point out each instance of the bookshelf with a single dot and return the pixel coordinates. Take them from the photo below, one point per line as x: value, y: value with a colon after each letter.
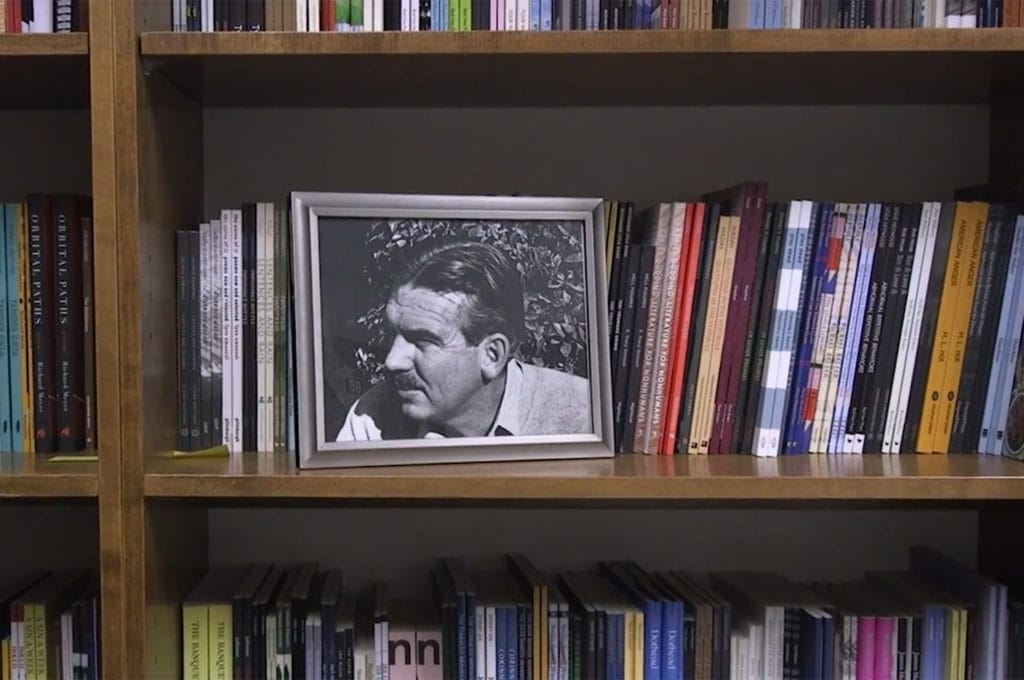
x: 152, y: 112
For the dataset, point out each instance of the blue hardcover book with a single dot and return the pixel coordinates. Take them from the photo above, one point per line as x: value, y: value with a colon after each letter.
x: 757, y: 12
x: 14, y: 340
x: 773, y: 14
x: 621, y: 577
x: 545, y: 15
x: 6, y: 437
x: 534, y: 15
x: 798, y: 441
x: 511, y: 643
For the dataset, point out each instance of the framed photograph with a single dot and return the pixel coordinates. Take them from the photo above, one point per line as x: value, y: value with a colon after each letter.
x: 434, y: 329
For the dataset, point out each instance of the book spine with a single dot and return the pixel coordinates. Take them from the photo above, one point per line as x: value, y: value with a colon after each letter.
x: 181, y: 267
x: 643, y: 312
x: 15, y: 322
x: 69, y: 311
x: 1001, y: 414
x: 41, y: 257
x: 6, y: 386
x: 821, y: 361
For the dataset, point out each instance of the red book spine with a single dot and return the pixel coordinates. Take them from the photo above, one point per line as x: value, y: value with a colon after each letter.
x: 328, y: 15
x: 681, y: 333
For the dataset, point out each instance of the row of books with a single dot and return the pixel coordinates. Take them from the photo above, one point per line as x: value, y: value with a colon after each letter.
x: 47, y: 368
x: 740, y: 325
x: 233, y: 313
x: 49, y: 627
x: 546, y: 15
x: 509, y: 620
x: 44, y: 16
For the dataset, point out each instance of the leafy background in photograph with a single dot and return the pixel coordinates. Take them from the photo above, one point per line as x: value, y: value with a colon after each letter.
x: 359, y: 257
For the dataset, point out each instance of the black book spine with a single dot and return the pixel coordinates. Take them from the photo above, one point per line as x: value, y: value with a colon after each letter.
x: 194, y: 351
x: 857, y: 420
x: 990, y: 326
x: 747, y: 364
x: 41, y: 282
x: 425, y: 16
x: 205, y: 337
x: 255, y: 15
x: 236, y: 15
x: 181, y: 243
x: 878, y: 303
x: 616, y: 291
x: 392, y: 15
x: 979, y: 313
x: 892, y: 324
x: 623, y: 355
x: 220, y: 15
x: 62, y: 16
x: 69, y: 318
x: 697, y: 323
x: 770, y: 255
x: 643, y: 294
x: 929, y: 319
x: 915, y: 647
x: 249, y: 327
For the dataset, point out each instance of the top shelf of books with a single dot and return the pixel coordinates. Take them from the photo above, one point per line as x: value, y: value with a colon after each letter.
x: 608, y: 68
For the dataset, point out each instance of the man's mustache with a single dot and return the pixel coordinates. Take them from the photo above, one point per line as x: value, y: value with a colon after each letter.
x: 405, y: 381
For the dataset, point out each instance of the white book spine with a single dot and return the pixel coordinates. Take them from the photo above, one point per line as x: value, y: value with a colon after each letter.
x: 906, y: 330
x: 510, y: 15
x: 207, y: 13
x: 267, y: 328
x: 796, y: 16
x: 217, y: 325
x: 833, y: 226
x: 480, y: 629
x: 915, y: 330
x: 854, y: 234
x: 563, y: 643
x: 301, y: 7
x: 313, y: 16
x: 227, y: 346
x: 404, y: 25
x: 236, y: 328
x: 42, y: 13
x: 490, y: 644
x: 522, y: 15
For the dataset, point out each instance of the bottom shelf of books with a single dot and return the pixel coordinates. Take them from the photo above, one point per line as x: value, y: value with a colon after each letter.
x: 509, y: 619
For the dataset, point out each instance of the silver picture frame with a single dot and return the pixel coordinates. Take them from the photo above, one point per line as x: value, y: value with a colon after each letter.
x: 316, y: 448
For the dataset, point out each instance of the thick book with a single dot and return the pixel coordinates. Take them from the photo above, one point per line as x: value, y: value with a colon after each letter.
x: 69, y: 317
x: 41, y: 233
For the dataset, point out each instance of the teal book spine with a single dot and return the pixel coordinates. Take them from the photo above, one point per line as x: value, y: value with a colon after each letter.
x: 15, y: 343
x: 6, y: 412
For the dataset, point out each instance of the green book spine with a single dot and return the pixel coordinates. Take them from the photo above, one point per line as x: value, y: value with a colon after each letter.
x: 356, y: 9
x: 345, y: 10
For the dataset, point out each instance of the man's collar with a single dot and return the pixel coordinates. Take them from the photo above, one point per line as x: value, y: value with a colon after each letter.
x: 506, y: 423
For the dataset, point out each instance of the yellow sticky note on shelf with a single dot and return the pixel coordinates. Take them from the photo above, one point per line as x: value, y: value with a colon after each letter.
x: 212, y: 452
x: 91, y: 458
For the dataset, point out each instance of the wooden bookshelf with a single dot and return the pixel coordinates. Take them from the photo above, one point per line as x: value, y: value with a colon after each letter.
x: 29, y: 476
x: 44, y: 45
x: 892, y: 66
x: 44, y: 71
x: 623, y: 478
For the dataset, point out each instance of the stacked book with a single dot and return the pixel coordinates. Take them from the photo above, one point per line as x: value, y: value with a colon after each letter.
x: 740, y: 325
x: 511, y: 621
x: 47, y: 369
x: 546, y: 15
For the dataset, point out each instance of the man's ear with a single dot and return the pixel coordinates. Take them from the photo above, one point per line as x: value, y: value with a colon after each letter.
x: 494, y: 354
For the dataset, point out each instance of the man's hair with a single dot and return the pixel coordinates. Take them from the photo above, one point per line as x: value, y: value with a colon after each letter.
x: 481, y: 272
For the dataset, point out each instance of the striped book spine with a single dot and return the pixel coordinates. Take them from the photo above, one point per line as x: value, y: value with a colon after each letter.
x: 824, y: 344
x: 1001, y: 406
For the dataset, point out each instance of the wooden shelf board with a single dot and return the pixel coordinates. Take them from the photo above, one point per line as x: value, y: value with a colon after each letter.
x: 43, y: 44
x: 631, y: 477
x: 596, y: 68
x: 44, y: 70
x: 35, y: 476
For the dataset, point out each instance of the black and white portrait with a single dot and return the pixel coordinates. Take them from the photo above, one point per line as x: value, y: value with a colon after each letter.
x: 436, y: 329
x: 446, y: 328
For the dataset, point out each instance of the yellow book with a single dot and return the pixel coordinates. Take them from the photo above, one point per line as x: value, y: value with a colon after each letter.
x: 220, y: 638
x: 942, y: 346
x: 977, y: 221
x: 5, y: 659
x: 194, y: 641
x: 30, y: 642
x: 638, y: 637
x: 627, y: 644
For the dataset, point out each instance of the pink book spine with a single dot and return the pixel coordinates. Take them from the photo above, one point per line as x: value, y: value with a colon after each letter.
x: 401, y: 654
x: 494, y: 15
x: 866, y: 648
x: 884, y: 630
x: 498, y: 18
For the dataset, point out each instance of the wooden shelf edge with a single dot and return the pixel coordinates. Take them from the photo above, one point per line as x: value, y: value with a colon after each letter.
x: 625, y: 478
x: 43, y: 44
x: 48, y: 486
x: 583, y: 42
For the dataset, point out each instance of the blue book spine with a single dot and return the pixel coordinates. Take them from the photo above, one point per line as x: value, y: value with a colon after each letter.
x: 14, y: 340
x: 512, y: 643
x: 652, y: 643
x: 6, y: 438
x: 828, y: 659
x: 545, y: 15
x: 620, y: 648
x: 671, y: 641
x: 534, y: 15
x: 756, y: 16
x: 796, y: 437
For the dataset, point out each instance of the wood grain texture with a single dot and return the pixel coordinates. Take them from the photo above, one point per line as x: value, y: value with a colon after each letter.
x: 176, y: 557
x: 599, y: 68
x: 627, y: 478
x: 43, y: 44
x: 103, y: 109
x: 34, y: 476
x: 159, y: 187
